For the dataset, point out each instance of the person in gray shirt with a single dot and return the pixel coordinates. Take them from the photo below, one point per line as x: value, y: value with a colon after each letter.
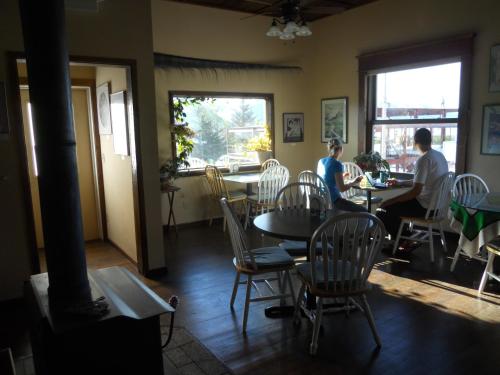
x: 428, y: 169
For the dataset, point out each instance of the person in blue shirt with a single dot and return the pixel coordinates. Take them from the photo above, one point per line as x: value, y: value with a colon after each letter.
x: 332, y: 171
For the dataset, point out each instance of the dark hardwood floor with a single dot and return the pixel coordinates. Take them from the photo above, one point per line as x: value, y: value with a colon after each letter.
x: 430, y: 320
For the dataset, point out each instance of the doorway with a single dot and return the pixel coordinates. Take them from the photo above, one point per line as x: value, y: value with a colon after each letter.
x: 110, y: 190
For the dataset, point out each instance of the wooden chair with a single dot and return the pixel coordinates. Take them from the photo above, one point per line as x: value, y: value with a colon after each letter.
x: 270, y: 182
x: 311, y: 177
x: 493, y: 249
x: 435, y: 215
x: 354, y: 195
x: 350, y: 244
x: 468, y: 183
x: 219, y: 190
x: 255, y: 262
x: 268, y: 164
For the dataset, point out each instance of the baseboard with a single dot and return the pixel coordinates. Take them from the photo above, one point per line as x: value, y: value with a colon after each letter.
x: 198, y: 223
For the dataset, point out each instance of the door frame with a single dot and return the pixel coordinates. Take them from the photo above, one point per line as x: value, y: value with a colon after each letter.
x: 15, y: 111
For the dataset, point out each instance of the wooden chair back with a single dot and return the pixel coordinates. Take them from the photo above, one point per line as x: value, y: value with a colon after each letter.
x: 270, y: 182
x: 350, y: 244
x: 354, y: 171
x: 303, y: 196
x: 311, y: 177
x: 244, y: 257
x: 216, y: 182
x: 268, y: 164
x: 469, y: 183
x: 441, y: 197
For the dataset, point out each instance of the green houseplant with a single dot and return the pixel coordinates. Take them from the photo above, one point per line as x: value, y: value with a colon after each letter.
x: 182, y: 139
x: 371, y: 162
x: 261, y: 145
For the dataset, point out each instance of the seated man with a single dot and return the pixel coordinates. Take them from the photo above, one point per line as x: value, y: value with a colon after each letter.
x: 332, y: 171
x: 428, y: 169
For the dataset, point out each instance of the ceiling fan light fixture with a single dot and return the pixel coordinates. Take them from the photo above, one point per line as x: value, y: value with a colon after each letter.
x: 304, y: 30
x: 274, y: 30
x: 291, y: 27
x: 287, y: 36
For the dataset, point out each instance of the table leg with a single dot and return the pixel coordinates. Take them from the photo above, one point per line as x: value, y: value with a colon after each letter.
x: 249, y: 189
x: 369, y: 200
x: 171, y: 215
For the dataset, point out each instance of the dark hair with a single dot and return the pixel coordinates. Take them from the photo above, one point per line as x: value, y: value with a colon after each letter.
x: 423, y: 137
x: 334, y: 144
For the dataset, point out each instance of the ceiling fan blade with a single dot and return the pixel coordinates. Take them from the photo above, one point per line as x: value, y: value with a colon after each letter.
x: 260, y: 11
x: 261, y: 2
x: 323, y: 10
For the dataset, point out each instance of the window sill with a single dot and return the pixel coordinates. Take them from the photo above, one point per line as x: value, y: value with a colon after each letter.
x: 201, y: 171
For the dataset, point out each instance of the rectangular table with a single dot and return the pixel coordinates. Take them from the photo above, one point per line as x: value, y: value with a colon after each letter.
x: 370, y: 189
x: 244, y: 178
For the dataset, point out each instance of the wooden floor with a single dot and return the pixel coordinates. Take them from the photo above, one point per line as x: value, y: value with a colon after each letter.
x: 430, y: 320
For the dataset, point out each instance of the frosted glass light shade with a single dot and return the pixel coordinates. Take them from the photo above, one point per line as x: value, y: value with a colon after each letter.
x: 274, y: 30
x: 291, y: 27
x: 287, y: 36
x: 304, y: 30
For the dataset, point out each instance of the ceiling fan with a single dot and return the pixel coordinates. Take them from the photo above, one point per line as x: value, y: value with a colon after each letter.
x: 292, y: 14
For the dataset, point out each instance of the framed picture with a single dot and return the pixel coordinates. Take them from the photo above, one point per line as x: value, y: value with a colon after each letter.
x: 120, y: 124
x: 495, y: 68
x: 490, y: 133
x: 4, y: 118
x: 293, y: 127
x: 103, y: 109
x: 334, y: 119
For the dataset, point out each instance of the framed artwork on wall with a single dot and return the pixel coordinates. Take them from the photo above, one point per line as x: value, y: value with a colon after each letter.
x: 490, y: 132
x: 4, y: 118
x: 103, y: 109
x: 334, y: 119
x: 495, y: 68
x: 293, y: 127
x: 120, y: 124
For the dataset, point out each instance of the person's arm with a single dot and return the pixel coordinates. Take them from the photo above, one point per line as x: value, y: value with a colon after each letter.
x: 342, y: 186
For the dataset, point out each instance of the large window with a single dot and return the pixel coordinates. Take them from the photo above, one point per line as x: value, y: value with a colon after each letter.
x: 224, y: 126
x: 409, y: 99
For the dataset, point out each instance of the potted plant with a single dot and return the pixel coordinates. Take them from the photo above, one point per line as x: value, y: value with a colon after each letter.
x: 261, y: 145
x: 371, y: 162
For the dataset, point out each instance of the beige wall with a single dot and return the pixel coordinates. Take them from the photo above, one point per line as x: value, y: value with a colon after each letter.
x: 245, y: 42
x: 391, y: 23
x: 117, y: 177
x: 122, y: 29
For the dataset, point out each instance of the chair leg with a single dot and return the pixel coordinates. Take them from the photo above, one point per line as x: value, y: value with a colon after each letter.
x: 371, y: 321
x: 224, y: 224
x: 235, y: 288
x: 455, y: 258
x: 300, y: 296
x: 281, y: 288
x: 489, y: 268
x: 290, y: 284
x: 247, y: 303
x: 443, y: 238
x: 396, y: 241
x: 431, y: 242
x: 247, y: 216
x: 317, y: 326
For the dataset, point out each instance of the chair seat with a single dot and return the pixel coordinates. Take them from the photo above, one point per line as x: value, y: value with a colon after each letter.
x: 494, y: 246
x: 270, y: 258
x: 254, y: 198
x: 298, y: 248
x: 236, y: 196
x: 363, y: 199
x: 304, y: 272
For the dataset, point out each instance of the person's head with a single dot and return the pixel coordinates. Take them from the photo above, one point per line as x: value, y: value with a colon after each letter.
x: 335, y: 147
x: 423, y: 139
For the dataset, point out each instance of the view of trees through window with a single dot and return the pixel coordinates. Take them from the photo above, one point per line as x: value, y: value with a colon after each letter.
x: 223, y: 127
x: 423, y: 97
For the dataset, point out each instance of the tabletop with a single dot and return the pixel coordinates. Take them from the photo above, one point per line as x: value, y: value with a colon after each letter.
x: 489, y: 202
x: 291, y: 224
x: 243, y: 178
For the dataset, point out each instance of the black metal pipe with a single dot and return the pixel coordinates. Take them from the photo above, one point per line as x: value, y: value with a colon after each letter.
x: 44, y: 32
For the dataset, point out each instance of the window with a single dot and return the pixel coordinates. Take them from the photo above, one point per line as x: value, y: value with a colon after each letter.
x: 224, y: 125
x: 421, y: 85
x: 410, y: 99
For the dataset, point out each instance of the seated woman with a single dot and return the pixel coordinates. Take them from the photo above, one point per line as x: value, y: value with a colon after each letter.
x: 428, y: 169
x: 332, y: 171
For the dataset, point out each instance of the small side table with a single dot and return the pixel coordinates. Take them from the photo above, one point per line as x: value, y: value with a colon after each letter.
x: 170, y: 191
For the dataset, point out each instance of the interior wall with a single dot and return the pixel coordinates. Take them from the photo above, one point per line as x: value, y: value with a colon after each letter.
x: 338, y: 40
x: 117, y: 176
x: 240, y: 41
x: 121, y: 29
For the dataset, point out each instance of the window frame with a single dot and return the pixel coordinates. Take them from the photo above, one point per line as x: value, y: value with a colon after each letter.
x: 269, y: 98
x: 455, y: 49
